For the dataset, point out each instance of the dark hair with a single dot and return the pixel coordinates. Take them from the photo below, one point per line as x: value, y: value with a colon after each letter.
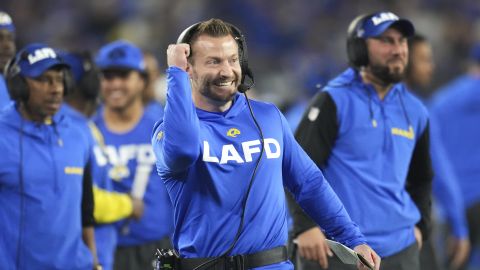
x: 412, y: 42
x: 409, y: 76
x: 213, y: 28
x: 415, y: 39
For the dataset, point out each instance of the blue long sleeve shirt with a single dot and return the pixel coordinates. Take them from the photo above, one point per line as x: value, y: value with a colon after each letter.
x: 456, y: 109
x: 446, y: 188
x: 206, y: 160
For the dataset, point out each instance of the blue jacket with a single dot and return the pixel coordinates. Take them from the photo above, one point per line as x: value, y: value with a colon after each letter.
x: 446, y: 189
x: 131, y: 157
x: 368, y: 148
x: 456, y: 109
x: 206, y: 160
x: 4, y: 96
x: 41, y: 181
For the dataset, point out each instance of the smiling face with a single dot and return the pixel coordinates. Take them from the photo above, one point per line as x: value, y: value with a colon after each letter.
x: 45, y: 94
x: 214, y: 69
x: 388, y: 56
x: 121, y: 88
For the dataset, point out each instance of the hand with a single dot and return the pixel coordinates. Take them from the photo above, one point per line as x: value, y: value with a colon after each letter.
x: 177, y: 55
x: 138, y: 207
x: 370, y: 255
x: 418, y: 237
x: 97, y: 267
x: 458, y: 251
x: 312, y: 246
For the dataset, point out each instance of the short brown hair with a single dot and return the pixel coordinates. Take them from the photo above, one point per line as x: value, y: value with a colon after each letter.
x: 213, y: 28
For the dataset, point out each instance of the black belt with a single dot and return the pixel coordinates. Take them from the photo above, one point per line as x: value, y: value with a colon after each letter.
x: 238, y: 262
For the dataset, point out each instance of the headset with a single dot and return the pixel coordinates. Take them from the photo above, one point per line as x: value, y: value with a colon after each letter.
x: 17, y: 85
x: 357, y: 46
x: 89, y: 84
x: 189, y: 32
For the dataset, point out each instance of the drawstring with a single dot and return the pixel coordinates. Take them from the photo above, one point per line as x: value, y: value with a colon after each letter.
x: 405, y: 111
x: 402, y: 104
x: 59, y: 142
x: 370, y: 109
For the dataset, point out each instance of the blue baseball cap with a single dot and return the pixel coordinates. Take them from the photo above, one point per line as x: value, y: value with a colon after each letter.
x: 120, y: 54
x: 6, y: 22
x: 36, y: 58
x: 375, y: 24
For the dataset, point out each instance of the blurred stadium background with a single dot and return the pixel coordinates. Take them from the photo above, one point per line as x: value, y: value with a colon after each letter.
x: 295, y: 45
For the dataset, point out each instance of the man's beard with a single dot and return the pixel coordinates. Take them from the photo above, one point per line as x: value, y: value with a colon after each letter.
x: 383, y: 73
x: 207, y: 91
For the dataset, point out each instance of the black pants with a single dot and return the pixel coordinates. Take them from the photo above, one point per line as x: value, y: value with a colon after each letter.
x: 428, y: 256
x: 407, y: 259
x: 139, y: 257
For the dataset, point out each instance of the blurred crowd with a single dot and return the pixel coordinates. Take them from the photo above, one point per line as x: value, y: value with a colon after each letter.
x: 295, y: 45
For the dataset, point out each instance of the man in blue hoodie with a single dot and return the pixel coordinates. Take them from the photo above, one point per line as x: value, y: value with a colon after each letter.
x: 46, y: 201
x: 225, y: 169
x: 446, y: 189
x: 7, y: 51
x: 369, y: 136
x: 456, y: 109
x: 126, y: 125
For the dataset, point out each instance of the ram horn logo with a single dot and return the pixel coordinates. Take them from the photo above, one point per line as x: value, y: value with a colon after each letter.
x: 233, y: 132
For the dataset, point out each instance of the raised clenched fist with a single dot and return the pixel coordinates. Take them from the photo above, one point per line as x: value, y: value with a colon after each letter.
x: 177, y: 55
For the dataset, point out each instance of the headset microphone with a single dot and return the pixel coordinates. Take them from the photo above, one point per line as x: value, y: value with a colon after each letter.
x: 243, y: 87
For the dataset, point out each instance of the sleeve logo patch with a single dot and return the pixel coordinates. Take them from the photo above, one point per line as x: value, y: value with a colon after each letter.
x: 159, y: 135
x: 313, y: 114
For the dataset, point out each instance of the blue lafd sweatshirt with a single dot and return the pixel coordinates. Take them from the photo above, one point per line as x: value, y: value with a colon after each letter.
x: 375, y: 156
x: 41, y: 179
x: 131, y: 158
x: 457, y: 111
x: 206, y: 160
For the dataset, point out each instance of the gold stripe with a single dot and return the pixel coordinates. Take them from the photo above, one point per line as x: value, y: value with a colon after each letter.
x: 404, y: 133
x: 74, y: 170
x: 97, y: 135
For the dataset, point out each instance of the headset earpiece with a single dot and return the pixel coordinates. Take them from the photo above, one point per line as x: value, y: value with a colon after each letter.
x: 357, y: 51
x: 89, y: 84
x: 16, y: 84
x: 68, y: 81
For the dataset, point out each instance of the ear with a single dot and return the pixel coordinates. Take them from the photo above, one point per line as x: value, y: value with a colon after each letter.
x: 189, y: 68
